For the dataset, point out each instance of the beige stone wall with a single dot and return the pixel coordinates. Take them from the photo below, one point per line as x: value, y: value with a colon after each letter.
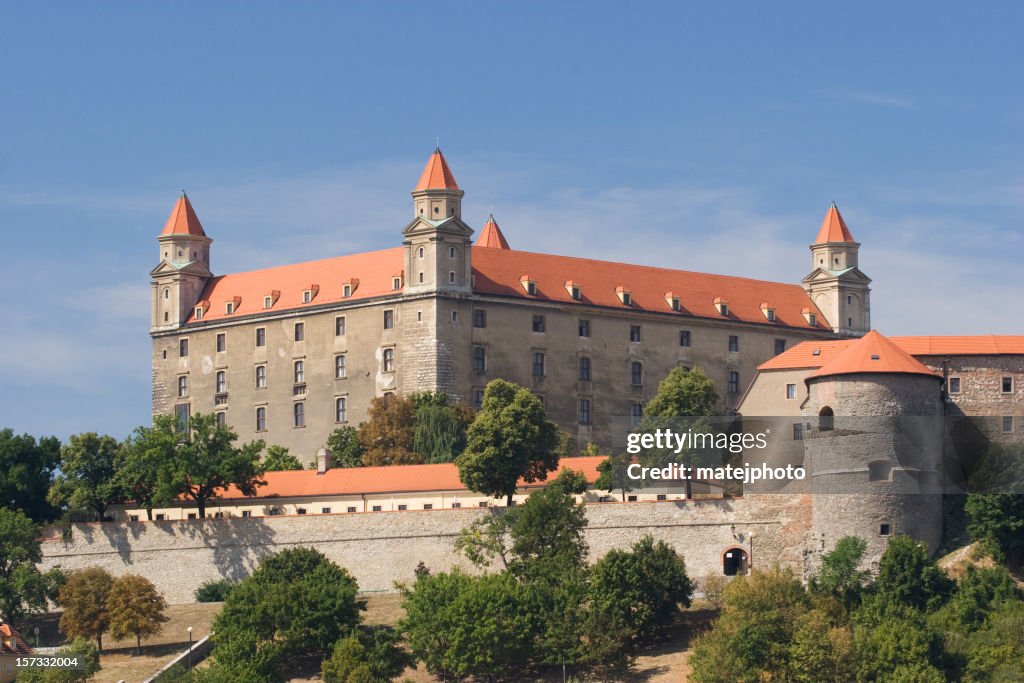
x: 382, y: 548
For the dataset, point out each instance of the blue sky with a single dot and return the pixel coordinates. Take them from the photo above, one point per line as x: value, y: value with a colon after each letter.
x: 707, y: 137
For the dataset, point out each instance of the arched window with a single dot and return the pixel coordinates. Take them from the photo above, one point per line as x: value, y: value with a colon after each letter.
x: 826, y: 420
x: 734, y: 561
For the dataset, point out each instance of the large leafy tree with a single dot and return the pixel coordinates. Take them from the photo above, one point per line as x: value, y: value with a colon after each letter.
x: 23, y: 588
x: 87, y: 481
x: 143, y: 457
x: 278, y: 459
x: 387, y: 435
x: 135, y: 608
x: 84, y: 600
x: 345, y: 447
x: 997, y: 522
x: 207, y: 462
x: 908, y: 577
x: 614, y: 474
x: 440, y: 434
x: 510, y: 438
x: 27, y: 467
x: 366, y: 654
x: 840, y: 572
x: 296, y: 604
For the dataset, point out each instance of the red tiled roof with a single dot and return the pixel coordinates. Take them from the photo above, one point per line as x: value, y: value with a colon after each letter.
x: 874, y: 354
x: 394, y: 479
x: 833, y: 228
x: 17, y: 644
x: 371, y: 273
x: 803, y: 356
x: 491, y: 236
x: 437, y: 175
x: 499, y: 272
x: 183, y: 219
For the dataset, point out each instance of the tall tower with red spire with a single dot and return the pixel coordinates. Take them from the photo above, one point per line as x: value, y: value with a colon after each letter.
x: 437, y: 242
x: 836, y: 284
x: 180, y: 277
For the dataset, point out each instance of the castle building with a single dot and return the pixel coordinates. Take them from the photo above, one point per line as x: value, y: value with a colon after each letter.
x: 290, y: 353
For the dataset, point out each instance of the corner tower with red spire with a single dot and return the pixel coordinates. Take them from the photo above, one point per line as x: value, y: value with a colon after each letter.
x: 836, y: 284
x: 437, y: 242
x: 184, y: 269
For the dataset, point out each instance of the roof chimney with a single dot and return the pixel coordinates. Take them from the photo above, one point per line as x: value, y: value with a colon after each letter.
x: 323, y: 461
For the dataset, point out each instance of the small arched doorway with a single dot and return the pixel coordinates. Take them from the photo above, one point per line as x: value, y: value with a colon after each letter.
x: 826, y: 420
x: 734, y: 561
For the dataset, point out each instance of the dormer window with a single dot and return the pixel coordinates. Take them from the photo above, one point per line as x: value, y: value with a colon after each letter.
x: 232, y: 306
x: 625, y: 296
x: 811, y: 318
x: 199, y: 312
x: 530, y: 286
x: 271, y: 299
x: 573, y: 288
x: 722, y: 306
x: 201, y: 308
x: 396, y: 283
x: 672, y: 300
x: 307, y: 296
x: 768, y: 311
x: 349, y: 288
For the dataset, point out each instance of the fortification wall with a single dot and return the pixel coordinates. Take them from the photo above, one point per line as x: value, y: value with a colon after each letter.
x: 381, y: 548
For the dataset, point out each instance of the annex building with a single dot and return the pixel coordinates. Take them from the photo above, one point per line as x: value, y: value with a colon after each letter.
x: 288, y: 354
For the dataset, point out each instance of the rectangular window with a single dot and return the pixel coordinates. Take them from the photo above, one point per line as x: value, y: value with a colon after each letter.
x: 636, y: 413
x: 584, y: 411
x: 131, y: 518
x: 662, y: 496
x: 1007, y: 385
x: 221, y: 381
x: 261, y: 336
x: 636, y: 373
x: 299, y: 414
x: 538, y: 323
x: 584, y: 368
x: 300, y: 331
x: 339, y: 326
x: 181, y: 417
x: 376, y: 508
x: 584, y: 328
x: 222, y: 342
x: 798, y: 431
x: 1008, y: 424
x: 632, y: 499
x: 455, y: 316
x: 482, y: 504
x: 538, y: 364
x: 389, y: 319
x: 325, y: 511
x: 268, y: 302
x: 389, y: 360
x: 396, y: 283
x: 780, y: 346
x: 341, y: 409
x: 734, y: 343
x: 790, y: 391
x: 770, y: 315
x: 884, y: 529
x: 479, y: 359
x: 339, y: 367
x: 183, y: 348
x: 634, y: 333
x: 734, y: 383
x: 478, y: 398
x: 261, y: 419
x: 684, y: 338
x: 479, y: 317
x: 300, y: 511
x: 261, y: 376
x: 351, y: 509
x: 222, y: 419
x: 403, y: 507
x: 182, y: 386
x: 451, y: 277
x: 161, y: 516
x: 456, y: 505
x: 954, y: 385
x: 300, y: 372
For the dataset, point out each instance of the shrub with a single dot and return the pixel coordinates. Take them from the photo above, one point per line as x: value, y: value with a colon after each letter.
x: 215, y: 590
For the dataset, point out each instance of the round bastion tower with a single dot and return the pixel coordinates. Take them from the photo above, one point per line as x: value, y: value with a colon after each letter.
x: 873, y: 445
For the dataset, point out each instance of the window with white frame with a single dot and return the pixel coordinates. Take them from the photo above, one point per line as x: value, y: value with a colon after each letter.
x: 339, y: 367
x: 299, y: 414
x: 341, y: 409
x: 261, y: 376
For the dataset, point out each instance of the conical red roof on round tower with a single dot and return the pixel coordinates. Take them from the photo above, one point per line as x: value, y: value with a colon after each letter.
x: 437, y: 175
x: 833, y: 228
x: 873, y: 354
x: 491, y: 236
x: 183, y: 219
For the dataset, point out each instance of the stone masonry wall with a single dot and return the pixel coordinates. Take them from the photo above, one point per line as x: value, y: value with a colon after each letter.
x: 382, y: 548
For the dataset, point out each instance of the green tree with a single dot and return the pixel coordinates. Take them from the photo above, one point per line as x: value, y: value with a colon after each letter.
x: 23, y: 588
x: 345, y: 447
x: 387, y: 435
x: 296, y: 604
x: 840, y: 574
x: 372, y: 654
x: 90, y: 658
x: 614, y: 474
x: 645, y: 585
x: 135, y: 608
x: 997, y: 522
x: 751, y: 641
x: 141, y: 459
x: 440, y: 434
x: 84, y: 600
x: 822, y: 649
x: 684, y: 393
x: 208, y: 462
x: 26, y: 472
x: 908, y: 577
x: 468, y: 626
x: 897, y: 644
x: 87, y: 480
x: 510, y: 439
x: 278, y: 459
